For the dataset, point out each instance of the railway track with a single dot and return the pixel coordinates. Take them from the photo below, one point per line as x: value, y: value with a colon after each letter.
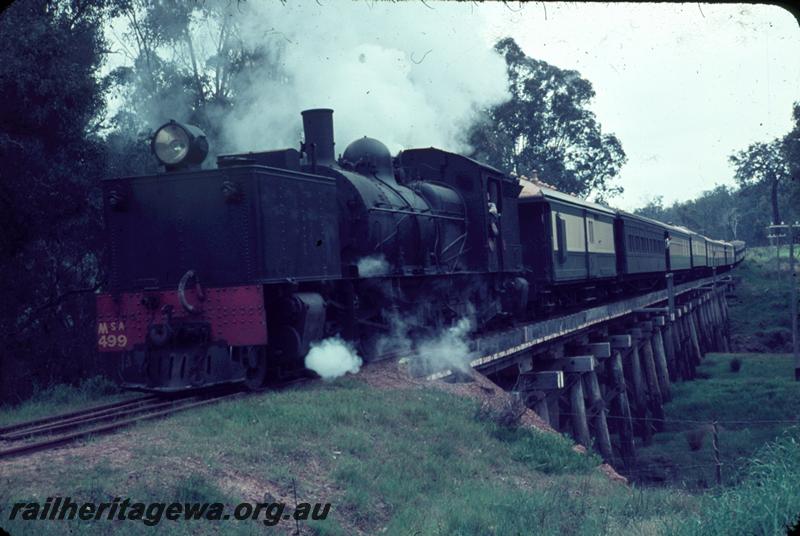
x: 53, y: 431
x: 57, y: 430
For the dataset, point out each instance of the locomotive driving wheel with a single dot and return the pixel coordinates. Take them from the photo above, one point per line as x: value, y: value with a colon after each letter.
x: 254, y: 358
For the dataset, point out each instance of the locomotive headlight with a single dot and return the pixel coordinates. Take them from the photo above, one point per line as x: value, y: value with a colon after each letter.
x: 180, y: 146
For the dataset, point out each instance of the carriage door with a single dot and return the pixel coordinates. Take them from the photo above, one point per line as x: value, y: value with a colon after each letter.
x: 591, y: 260
x: 667, y: 256
x: 494, y: 211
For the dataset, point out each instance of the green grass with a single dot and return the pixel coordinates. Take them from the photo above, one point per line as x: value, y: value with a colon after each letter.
x: 763, y: 390
x: 759, y: 311
x: 62, y: 398
x: 93, y: 487
x: 350, y: 432
x: 767, y: 500
x: 393, y: 462
x: 404, y: 462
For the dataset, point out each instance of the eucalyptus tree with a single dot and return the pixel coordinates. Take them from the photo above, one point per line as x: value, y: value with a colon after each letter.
x: 546, y: 127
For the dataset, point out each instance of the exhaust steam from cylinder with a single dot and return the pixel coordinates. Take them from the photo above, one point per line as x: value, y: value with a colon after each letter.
x: 447, y: 349
x: 332, y: 358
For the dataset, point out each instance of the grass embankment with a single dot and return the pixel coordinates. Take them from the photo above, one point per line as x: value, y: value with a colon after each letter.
x: 401, y: 461
x: 396, y: 461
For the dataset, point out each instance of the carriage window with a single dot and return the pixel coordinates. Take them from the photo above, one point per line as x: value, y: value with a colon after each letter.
x: 591, y: 232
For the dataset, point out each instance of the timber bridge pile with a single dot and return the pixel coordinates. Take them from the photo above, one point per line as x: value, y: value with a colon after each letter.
x: 603, y: 374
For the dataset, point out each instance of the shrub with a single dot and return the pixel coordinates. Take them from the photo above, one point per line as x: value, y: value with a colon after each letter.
x: 695, y: 438
x: 508, y: 416
x: 99, y: 386
x: 736, y: 364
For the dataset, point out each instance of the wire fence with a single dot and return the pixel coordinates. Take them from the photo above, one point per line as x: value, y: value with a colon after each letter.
x: 653, y: 470
x: 693, y: 421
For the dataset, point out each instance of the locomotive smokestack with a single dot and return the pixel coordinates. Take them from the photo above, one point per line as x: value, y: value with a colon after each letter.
x: 318, y: 129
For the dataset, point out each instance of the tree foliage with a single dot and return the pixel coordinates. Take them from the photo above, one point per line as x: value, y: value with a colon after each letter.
x: 764, y: 163
x: 187, y: 61
x: 775, y: 167
x: 52, y: 162
x: 545, y: 127
x: 791, y: 146
x: 720, y: 213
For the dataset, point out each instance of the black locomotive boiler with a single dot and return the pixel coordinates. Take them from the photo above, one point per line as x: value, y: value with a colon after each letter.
x: 228, y: 275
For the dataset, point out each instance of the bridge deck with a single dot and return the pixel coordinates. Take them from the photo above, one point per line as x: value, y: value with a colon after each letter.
x: 499, y: 349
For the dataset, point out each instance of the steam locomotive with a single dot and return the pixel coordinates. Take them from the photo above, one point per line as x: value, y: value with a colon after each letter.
x: 229, y: 275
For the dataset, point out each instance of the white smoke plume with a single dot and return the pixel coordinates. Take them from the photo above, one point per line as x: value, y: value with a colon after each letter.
x: 445, y: 349
x: 332, y: 358
x: 399, y: 339
x: 448, y: 350
x: 373, y: 266
x: 407, y: 73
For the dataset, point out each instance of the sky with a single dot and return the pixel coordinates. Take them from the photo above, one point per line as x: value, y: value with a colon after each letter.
x: 683, y: 86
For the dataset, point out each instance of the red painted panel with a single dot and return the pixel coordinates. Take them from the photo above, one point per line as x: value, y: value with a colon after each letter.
x: 235, y: 314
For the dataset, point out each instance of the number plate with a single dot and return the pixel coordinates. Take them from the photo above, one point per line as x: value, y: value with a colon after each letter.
x: 111, y: 335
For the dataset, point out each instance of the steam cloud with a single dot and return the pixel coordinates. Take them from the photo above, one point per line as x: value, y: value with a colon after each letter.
x: 373, y: 266
x: 332, y: 358
x: 450, y: 349
x: 405, y: 73
x: 446, y: 349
